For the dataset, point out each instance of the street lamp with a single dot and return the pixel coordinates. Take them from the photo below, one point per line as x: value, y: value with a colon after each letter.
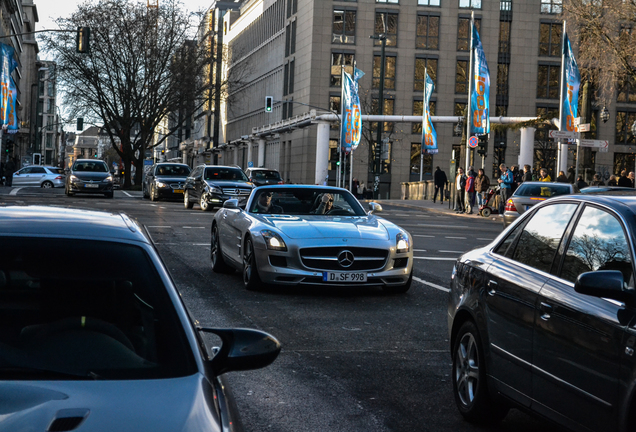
x: 377, y: 168
x: 605, y: 115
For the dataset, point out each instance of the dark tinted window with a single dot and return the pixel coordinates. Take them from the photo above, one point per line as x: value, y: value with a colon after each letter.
x: 90, y: 166
x: 302, y: 201
x: 266, y: 175
x: 508, y: 241
x: 544, y: 190
x: 541, y: 236
x: 25, y: 171
x: 216, y: 173
x: 598, y: 243
x: 38, y: 170
x: 172, y: 170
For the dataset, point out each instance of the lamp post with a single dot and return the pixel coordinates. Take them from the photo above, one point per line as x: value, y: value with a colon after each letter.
x: 605, y: 115
x: 378, y: 149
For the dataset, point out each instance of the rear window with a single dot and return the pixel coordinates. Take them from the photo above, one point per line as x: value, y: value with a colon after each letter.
x: 172, y: 170
x: 266, y: 175
x: 545, y: 190
x: 56, y: 170
x: 90, y: 166
x: 224, y: 174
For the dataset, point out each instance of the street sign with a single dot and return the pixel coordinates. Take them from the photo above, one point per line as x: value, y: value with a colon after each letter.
x: 600, y: 144
x: 250, y: 164
x: 577, y: 121
x: 564, y: 134
x: 473, y: 142
x: 584, y: 127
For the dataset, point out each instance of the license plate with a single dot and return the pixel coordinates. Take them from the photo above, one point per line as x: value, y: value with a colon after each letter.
x: 178, y: 191
x: 344, y: 277
x: 91, y: 185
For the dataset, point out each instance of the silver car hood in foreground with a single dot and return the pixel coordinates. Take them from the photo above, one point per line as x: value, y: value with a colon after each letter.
x: 355, y: 227
x: 177, y: 404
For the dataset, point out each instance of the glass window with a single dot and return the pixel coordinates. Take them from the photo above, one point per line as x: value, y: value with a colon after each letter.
x: 626, y: 90
x: 461, y: 77
x: 550, y: 39
x: 428, y: 2
x: 344, y: 27
x: 503, y: 247
x: 504, y: 37
x: 598, y: 243
x: 418, y: 107
x: 548, y: 81
x: 214, y: 173
x: 474, y: 4
x: 459, y: 110
x: 387, y: 1
x: 386, y: 23
x: 502, y: 80
x: 389, y: 72
x: 624, y: 122
x: 387, y: 109
x: 337, y: 60
x: 333, y: 154
x: 300, y: 201
x: 427, y: 32
x: 551, y: 6
x: 541, y: 236
x: 422, y: 65
x: 426, y: 162
x: 463, y: 33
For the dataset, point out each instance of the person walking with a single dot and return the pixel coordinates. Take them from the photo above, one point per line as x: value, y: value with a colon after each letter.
x: 623, y: 181
x: 361, y: 190
x: 440, y: 181
x: 354, y: 187
x: 544, y: 176
x: 505, y: 183
x: 482, y: 184
x: 562, y: 178
x: 597, y: 181
x: 9, y: 169
x: 460, y: 185
x: 470, y: 192
x: 527, y: 173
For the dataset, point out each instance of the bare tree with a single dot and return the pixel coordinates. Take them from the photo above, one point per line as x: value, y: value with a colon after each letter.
x: 142, y: 68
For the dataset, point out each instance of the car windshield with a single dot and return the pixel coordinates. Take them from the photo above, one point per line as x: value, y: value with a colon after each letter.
x: 90, y: 166
x: 173, y: 170
x: 224, y: 174
x: 542, y: 190
x: 266, y: 175
x: 303, y: 201
x: 109, y: 317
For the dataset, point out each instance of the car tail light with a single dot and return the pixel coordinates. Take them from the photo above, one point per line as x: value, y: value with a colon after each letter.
x: 510, y: 206
x: 58, y: 178
x: 281, y: 182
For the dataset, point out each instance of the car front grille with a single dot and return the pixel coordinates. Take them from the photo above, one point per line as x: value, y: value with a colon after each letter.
x: 237, y: 191
x: 176, y: 185
x: 337, y: 258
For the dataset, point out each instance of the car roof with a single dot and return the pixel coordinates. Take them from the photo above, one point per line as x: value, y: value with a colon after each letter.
x: 60, y: 222
x: 262, y: 169
x: 170, y: 163
x: 219, y: 166
x: 624, y: 204
x: 544, y: 183
x: 301, y: 186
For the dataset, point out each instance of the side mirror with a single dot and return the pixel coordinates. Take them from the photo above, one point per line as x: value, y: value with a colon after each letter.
x: 603, y: 283
x: 231, y: 204
x: 243, y: 349
x: 374, y: 207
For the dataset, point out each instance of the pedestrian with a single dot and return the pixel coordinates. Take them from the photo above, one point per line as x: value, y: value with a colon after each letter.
x: 516, y: 178
x: 562, y: 178
x: 597, y: 181
x: 630, y: 176
x: 361, y: 190
x: 460, y: 185
x: 482, y: 184
x: 544, y: 176
x: 623, y: 181
x: 505, y: 183
x: 612, y: 181
x: 570, y: 175
x: 527, y: 173
x: 9, y: 169
x: 354, y: 187
x: 440, y: 181
x: 580, y: 183
x: 470, y: 192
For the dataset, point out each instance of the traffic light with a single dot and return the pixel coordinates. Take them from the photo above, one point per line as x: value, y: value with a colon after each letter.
x: 482, y: 145
x: 83, y: 40
x: 269, y: 102
x: 37, y: 159
x: 80, y: 123
x: 95, y: 155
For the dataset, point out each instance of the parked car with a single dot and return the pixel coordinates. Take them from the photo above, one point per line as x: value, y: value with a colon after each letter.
x: 292, y: 235
x: 609, y: 190
x: 165, y: 180
x: 263, y: 176
x: 39, y: 176
x: 106, y: 343
x: 211, y: 185
x: 543, y: 317
x: 530, y: 193
x: 89, y: 176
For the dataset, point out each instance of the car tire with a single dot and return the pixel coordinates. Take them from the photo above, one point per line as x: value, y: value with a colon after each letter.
x: 153, y: 193
x: 47, y: 185
x: 470, y: 386
x: 186, y: 200
x: 216, y: 255
x: 109, y: 194
x: 399, y: 289
x: 205, y: 206
x: 486, y: 212
x: 251, y: 279
x: 144, y: 193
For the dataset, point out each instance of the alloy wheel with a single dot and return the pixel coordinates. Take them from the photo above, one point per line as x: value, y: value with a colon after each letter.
x: 467, y: 369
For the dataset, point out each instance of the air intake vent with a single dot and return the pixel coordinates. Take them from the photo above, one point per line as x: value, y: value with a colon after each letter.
x: 65, y: 424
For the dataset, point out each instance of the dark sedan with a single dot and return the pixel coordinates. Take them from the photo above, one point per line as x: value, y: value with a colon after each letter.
x: 89, y: 176
x: 105, y: 342
x: 165, y: 180
x: 544, y: 318
x: 211, y: 185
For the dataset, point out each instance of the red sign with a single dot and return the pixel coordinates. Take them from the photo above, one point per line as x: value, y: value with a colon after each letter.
x: 473, y: 141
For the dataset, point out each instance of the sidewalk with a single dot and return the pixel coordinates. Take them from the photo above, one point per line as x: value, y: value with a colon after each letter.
x: 435, y: 207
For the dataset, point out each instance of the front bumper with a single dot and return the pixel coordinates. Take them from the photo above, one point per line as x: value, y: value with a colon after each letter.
x: 88, y: 187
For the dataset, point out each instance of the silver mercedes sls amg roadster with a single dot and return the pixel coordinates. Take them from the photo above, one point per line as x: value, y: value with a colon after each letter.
x: 291, y: 235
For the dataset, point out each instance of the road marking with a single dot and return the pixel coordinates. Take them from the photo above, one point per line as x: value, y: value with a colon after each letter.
x: 419, y: 250
x: 435, y: 258
x: 445, y: 251
x: 487, y: 239
x: 422, y: 235
x: 127, y: 194
x: 14, y: 191
x: 159, y: 226
x: 441, y: 288
x: 200, y: 244
x: 189, y: 227
x: 456, y: 238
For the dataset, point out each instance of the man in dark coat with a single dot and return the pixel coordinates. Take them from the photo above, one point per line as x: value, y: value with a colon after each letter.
x: 623, y: 181
x: 441, y: 181
x: 9, y: 169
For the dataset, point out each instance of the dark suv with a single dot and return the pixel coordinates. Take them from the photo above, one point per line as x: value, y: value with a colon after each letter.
x: 211, y: 185
x: 263, y: 176
x: 89, y: 176
x: 165, y: 180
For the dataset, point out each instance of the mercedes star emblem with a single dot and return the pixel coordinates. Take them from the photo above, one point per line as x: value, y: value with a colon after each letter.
x: 345, y: 258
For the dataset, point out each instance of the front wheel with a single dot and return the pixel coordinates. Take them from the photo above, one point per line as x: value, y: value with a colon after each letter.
x: 469, y: 379
x: 186, y: 200
x: 251, y: 279
x: 486, y: 212
x: 47, y: 185
x: 153, y: 193
x: 218, y: 263
x: 203, y: 203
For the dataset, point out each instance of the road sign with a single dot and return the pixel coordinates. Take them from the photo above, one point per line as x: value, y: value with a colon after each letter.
x: 250, y: 164
x: 564, y: 134
x: 473, y: 142
x: 600, y: 144
x: 584, y: 127
x: 577, y: 121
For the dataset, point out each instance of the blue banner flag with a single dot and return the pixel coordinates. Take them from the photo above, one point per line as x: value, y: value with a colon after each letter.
x: 429, y: 136
x: 8, y: 92
x: 479, y: 104
x: 351, y: 123
x: 570, y: 106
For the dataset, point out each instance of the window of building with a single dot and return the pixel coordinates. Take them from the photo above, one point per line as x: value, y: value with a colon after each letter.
x: 344, y: 26
x: 504, y: 38
x: 550, y: 38
x: 626, y: 90
x: 286, y: 79
x: 473, y: 4
x: 418, y: 110
x: 623, y: 161
x: 548, y: 81
x: 551, y: 6
x: 387, y: 1
x: 428, y: 2
x: 386, y: 23
x: 463, y: 33
x: 389, y: 71
x: 427, y: 32
x: 624, y: 122
x: 333, y: 154
x: 426, y: 162
x: 505, y: 5
x: 422, y: 65
x: 337, y: 60
x: 461, y: 77
x: 502, y: 80
x: 288, y: 108
x: 290, y: 38
x: 292, y: 7
x: 49, y: 140
x: 459, y: 110
x: 334, y: 105
x: 388, y: 106
x: 384, y: 153
x: 547, y: 112
x: 50, y: 89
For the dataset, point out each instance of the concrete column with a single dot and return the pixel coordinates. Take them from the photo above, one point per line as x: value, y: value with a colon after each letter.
x: 322, y: 153
x: 236, y: 152
x: 261, y: 152
x: 249, y: 153
x: 526, y: 147
x: 563, y: 158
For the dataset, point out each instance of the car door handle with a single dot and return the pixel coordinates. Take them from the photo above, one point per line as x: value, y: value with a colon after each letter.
x: 546, y: 310
x: 492, y: 288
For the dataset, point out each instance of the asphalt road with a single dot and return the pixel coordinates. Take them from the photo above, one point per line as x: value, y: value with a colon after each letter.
x: 352, y: 360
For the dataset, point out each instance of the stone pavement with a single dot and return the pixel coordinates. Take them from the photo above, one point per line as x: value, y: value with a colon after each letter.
x: 436, y: 207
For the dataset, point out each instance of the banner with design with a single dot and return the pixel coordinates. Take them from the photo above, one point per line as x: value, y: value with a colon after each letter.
x: 351, y: 130
x: 429, y: 136
x: 8, y: 92
x: 479, y: 103
x: 570, y: 102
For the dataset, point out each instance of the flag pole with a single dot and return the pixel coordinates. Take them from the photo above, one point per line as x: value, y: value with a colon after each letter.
x: 470, y: 88
x: 423, y: 131
x: 560, y: 157
x: 351, y: 152
x: 339, y: 175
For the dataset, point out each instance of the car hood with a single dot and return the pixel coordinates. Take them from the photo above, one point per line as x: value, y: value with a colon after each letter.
x: 177, y: 404
x: 229, y: 184
x: 311, y: 227
x: 89, y: 175
x: 171, y: 179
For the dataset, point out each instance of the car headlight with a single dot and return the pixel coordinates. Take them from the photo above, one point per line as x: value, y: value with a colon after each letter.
x: 402, y: 243
x: 273, y: 240
x: 109, y: 179
x: 214, y: 190
x: 161, y: 185
x: 73, y: 178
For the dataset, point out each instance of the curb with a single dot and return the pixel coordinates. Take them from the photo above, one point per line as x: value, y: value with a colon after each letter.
x: 435, y: 210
